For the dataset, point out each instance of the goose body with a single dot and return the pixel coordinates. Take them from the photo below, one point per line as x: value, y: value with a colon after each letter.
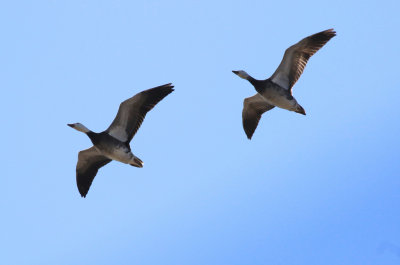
x: 113, y: 143
x: 276, y: 95
x: 114, y: 149
x: 277, y: 90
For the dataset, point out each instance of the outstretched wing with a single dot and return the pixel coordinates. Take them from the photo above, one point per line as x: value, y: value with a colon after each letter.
x: 132, y: 112
x: 296, y: 57
x: 89, y: 162
x: 253, y: 108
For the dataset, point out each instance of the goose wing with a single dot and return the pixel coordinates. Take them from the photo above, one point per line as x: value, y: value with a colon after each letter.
x: 253, y: 108
x: 89, y: 162
x: 296, y: 57
x: 132, y: 112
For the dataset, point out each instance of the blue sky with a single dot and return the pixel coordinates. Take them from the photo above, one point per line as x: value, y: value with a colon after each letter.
x: 315, y: 189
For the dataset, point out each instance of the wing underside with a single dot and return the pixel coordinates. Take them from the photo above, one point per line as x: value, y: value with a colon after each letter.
x: 89, y: 162
x: 253, y: 108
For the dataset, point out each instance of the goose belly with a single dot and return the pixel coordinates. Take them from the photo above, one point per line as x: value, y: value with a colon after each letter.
x: 121, y: 154
x: 280, y: 99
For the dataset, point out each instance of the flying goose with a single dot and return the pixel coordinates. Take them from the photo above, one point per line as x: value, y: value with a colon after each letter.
x: 277, y: 90
x: 113, y: 143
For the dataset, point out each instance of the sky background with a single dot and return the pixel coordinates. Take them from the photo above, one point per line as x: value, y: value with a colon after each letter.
x: 317, y: 189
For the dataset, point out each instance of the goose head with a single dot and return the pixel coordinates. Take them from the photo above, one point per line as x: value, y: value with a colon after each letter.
x: 79, y: 127
x: 242, y: 74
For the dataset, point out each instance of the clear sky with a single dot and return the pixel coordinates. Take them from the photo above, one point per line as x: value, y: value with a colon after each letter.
x: 317, y: 189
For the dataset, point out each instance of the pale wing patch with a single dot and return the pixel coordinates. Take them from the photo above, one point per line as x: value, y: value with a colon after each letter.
x: 282, y: 73
x: 119, y: 133
x: 281, y: 79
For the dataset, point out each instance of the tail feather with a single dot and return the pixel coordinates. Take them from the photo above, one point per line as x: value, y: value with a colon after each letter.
x: 136, y: 162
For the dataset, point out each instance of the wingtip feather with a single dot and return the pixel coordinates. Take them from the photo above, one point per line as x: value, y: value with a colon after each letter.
x: 82, y: 192
x: 249, y: 134
x: 169, y: 85
x: 330, y: 32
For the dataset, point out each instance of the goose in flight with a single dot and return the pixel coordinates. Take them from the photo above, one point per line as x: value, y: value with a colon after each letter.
x: 113, y: 143
x: 277, y: 90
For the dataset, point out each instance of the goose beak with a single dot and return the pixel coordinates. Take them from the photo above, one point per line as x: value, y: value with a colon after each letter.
x: 71, y: 125
x: 235, y: 72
